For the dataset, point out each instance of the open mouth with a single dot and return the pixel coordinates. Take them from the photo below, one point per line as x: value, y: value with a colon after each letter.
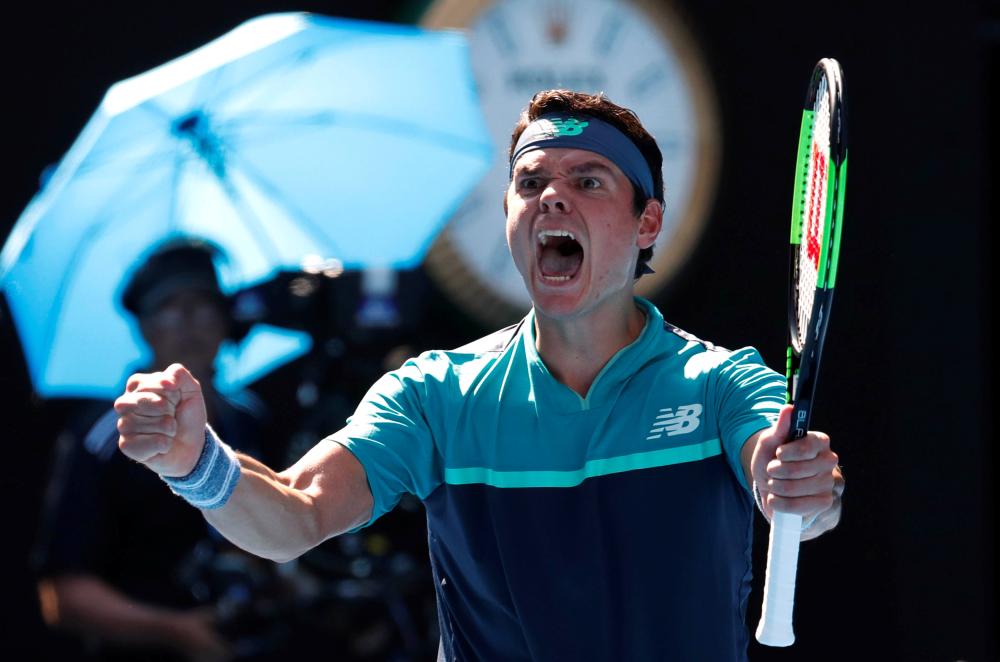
x: 559, y: 255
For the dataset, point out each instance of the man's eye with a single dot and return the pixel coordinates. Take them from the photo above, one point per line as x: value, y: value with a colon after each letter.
x: 528, y: 183
x: 590, y: 182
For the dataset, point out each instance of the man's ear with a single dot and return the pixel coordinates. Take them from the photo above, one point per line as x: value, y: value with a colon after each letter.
x: 650, y: 223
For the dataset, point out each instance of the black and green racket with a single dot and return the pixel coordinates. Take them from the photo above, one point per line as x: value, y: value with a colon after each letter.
x: 817, y: 221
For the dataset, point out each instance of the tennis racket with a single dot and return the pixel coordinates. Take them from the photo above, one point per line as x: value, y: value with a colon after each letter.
x: 817, y: 221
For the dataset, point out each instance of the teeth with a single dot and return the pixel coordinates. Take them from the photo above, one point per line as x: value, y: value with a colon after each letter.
x: 544, y: 235
x: 556, y: 278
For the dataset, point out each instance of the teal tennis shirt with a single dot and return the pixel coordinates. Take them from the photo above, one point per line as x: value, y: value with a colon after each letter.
x: 607, y: 527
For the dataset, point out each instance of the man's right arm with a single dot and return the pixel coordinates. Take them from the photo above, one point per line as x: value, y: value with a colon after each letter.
x: 280, y: 516
x: 276, y: 515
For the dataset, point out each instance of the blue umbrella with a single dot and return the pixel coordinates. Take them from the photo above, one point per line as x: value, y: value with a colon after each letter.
x: 293, y: 137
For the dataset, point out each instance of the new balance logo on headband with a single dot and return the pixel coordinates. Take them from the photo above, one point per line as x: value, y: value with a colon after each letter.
x: 564, y: 127
x: 557, y: 130
x: 684, y: 420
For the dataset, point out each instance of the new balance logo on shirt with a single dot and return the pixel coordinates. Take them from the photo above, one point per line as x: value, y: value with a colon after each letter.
x: 670, y: 422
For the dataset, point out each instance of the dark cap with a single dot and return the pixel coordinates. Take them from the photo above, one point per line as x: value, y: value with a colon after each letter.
x: 178, y: 265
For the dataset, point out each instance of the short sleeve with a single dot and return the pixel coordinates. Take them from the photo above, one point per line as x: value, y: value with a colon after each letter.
x: 749, y: 395
x: 390, y: 436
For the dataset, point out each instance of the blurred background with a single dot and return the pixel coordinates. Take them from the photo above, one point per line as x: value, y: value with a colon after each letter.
x: 910, y: 573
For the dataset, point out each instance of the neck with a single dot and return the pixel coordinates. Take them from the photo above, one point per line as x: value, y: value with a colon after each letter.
x: 575, y: 350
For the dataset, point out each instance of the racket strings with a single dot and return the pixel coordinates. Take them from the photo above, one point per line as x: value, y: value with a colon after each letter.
x: 814, y: 211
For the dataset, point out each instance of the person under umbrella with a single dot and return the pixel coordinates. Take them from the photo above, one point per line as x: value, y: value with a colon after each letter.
x: 108, y: 568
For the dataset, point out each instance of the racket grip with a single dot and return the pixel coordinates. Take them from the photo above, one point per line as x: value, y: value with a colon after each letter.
x: 775, y: 627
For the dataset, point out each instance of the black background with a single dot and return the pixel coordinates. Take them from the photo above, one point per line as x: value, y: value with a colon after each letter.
x: 910, y: 573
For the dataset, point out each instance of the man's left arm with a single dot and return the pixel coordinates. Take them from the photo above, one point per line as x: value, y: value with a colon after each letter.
x: 800, y: 476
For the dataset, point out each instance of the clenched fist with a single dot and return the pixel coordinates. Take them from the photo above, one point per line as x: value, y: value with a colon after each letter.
x: 161, y: 420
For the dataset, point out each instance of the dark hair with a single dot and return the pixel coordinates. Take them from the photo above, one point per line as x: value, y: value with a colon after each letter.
x: 179, y: 264
x: 599, y: 106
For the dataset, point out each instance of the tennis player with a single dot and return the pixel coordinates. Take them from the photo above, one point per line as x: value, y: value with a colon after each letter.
x: 589, y: 473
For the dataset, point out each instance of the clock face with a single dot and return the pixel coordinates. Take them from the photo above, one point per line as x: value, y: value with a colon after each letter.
x: 638, y: 55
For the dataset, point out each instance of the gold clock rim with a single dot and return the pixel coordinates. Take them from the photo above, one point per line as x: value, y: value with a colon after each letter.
x: 470, y: 291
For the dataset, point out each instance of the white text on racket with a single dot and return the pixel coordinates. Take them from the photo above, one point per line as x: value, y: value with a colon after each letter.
x: 684, y: 420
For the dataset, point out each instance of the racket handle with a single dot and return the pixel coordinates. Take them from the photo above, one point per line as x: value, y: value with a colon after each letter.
x: 775, y: 627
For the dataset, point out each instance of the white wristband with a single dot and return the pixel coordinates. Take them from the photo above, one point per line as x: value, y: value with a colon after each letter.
x: 759, y: 501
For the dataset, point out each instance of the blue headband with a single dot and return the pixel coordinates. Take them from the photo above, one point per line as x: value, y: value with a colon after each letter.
x: 591, y: 134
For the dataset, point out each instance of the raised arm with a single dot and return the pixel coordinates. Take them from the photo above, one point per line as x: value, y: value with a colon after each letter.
x: 276, y: 515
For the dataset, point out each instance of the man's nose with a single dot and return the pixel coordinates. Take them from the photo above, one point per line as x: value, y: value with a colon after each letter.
x: 554, y: 198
